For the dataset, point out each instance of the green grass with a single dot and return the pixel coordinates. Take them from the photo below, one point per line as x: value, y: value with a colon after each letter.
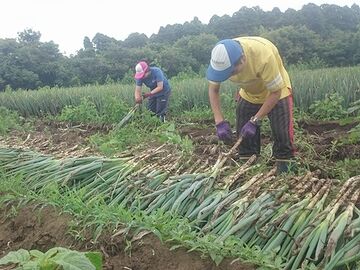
x: 9, y: 120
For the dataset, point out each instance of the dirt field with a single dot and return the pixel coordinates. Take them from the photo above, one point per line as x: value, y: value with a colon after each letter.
x: 47, y: 228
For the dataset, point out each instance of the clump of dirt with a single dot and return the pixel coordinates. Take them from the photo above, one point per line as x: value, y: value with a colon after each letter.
x: 326, y: 136
x: 207, y: 146
x: 47, y: 228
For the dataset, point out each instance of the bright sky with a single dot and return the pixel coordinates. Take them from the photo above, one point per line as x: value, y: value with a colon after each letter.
x: 67, y: 22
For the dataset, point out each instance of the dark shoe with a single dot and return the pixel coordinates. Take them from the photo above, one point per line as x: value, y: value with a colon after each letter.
x: 162, y: 118
x: 285, y: 166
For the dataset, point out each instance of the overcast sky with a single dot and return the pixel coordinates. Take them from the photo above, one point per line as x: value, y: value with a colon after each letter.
x: 67, y: 22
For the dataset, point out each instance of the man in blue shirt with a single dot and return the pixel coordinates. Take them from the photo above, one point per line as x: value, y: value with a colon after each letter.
x: 155, y: 79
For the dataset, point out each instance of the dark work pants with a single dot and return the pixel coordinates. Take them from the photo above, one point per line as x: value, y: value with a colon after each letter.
x: 281, y: 123
x: 159, y: 104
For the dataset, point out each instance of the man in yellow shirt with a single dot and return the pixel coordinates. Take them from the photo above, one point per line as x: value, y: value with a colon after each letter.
x: 254, y: 64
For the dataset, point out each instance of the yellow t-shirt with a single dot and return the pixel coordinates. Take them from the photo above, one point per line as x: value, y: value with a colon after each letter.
x: 263, y: 72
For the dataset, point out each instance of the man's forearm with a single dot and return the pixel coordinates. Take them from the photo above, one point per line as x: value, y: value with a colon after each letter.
x: 156, y: 90
x: 214, y: 97
x: 268, y: 105
x: 138, y: 92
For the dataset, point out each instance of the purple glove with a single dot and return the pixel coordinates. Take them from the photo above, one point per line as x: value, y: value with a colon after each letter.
x: 223, y: 131
x: 248, y: 130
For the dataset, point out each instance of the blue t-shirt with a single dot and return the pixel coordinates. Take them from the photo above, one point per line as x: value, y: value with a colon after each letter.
x: 156, y: 75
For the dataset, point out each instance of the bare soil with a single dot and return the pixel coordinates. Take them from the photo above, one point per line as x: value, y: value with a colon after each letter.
x: 324, y: 136
x: 46, y: 228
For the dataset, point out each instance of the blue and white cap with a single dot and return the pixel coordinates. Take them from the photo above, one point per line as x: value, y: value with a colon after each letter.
x: 224, y: 56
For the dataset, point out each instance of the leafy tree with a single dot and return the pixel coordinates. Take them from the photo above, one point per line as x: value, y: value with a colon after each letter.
x: 313, y: 18
x: 338, y: 48
x: 90, y: 70
x: 29, y: 36
x: 219, y: 26
x: 88, y: 45
x: 29, y: 63
x: 296, y: 44
x: 173, y: 60
x: 169, y: 34
x: 198, y: 47
x: 135, y: 40
x: 341, y: 18
x: 102, y: 42
x: 245, y: 21
x: 195, y: 27
x: 354, y: 44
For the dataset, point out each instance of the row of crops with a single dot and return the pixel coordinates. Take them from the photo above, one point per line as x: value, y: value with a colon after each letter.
x: 305, y: 220
x: 308, y: 87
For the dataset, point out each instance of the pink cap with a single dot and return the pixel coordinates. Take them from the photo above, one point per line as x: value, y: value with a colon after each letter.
x: 141, y: 68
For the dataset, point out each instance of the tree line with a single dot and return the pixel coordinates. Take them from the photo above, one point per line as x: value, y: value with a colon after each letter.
x: 319, y: 36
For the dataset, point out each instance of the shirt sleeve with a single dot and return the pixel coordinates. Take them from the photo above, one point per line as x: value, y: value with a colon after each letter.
x: 216, y: 83
x: 138, y: 82
x: 272, y: 77
x: 159, y: 75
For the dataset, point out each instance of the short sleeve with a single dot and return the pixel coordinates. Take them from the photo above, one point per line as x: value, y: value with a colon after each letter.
x: 272, y: 77
x: 138, y: 82
x: 215, y: 83
x: 159, y: 75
